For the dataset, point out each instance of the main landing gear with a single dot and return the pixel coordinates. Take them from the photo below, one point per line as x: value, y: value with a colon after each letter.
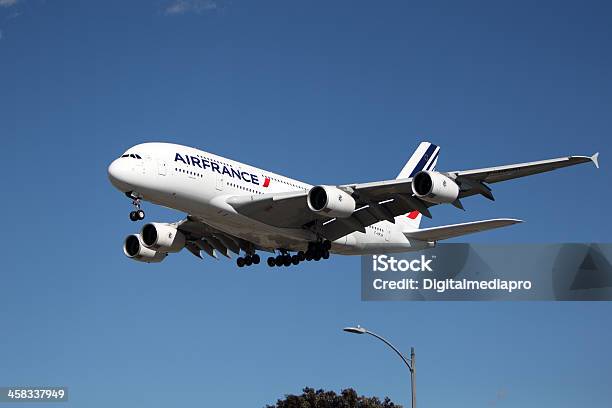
x: 316, y: 251
x: 248, y: 260
x: 137, y: 214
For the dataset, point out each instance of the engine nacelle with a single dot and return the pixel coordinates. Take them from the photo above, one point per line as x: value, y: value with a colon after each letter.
x: 134, y: 249
x: 434, y: 187
x: 162, y: 237
x: 331, y: 201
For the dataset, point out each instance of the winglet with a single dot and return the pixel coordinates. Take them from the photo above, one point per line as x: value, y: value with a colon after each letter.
x: 595, y: 159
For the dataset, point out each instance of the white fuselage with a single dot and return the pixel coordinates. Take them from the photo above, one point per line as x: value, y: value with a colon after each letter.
x: 199, y: 183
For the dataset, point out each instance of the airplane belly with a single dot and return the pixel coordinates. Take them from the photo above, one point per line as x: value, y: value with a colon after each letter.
x: 262, y: 235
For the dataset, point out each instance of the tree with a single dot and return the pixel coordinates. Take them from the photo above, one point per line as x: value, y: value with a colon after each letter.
x: 329, y: 399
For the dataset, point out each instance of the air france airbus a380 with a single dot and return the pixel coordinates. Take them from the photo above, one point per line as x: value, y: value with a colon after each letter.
x: 234, y: 207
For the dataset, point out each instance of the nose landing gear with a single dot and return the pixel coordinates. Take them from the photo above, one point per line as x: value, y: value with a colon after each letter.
x: 138, y: 213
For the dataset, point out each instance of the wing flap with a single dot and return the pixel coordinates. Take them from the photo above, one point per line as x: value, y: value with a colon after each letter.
x: 457, y: 230
x: 203, y: 237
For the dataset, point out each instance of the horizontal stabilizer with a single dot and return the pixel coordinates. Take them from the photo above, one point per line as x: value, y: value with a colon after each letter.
x: 457, y: 230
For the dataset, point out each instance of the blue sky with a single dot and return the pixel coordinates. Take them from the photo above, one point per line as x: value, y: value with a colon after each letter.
x: 328, y: 92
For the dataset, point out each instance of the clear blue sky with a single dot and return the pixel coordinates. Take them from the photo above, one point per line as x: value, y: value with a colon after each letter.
x: 328, y: 92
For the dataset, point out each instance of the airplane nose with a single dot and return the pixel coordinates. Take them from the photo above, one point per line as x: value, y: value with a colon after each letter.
x: 117, y: 174
x: 113, y: 170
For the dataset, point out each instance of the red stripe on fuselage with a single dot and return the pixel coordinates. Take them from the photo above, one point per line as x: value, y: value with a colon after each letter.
x: 413, y: 214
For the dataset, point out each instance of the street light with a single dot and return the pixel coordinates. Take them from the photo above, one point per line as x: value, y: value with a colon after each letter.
x: 410, y: 364
x: 356, y: 330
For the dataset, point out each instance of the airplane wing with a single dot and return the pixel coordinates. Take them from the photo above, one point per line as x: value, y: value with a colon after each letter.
x: 512, y: 171
x: 376, y: 201
x: 384, y: 200
x: 381, y: 189
x: 284, y: 210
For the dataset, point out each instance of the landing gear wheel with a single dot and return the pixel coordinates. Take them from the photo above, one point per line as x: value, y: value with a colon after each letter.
x: 301, y: 255
x: 317, y: 256
x: 271, y: 262
x: 326, y: 245
x: 240, y: 262
x: 279, y: 260
x: 137, y: 214
x: 256, y: 259
x: 309, y: 256
x: 248, y: 261
x: 295, y: 259
x: 325, y: 254
x: 287, y: 260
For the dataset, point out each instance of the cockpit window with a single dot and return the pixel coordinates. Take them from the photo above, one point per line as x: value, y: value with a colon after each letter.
x: 132, y: 155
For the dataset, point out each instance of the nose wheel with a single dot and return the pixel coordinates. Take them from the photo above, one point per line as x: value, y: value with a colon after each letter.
x: 138, y: 214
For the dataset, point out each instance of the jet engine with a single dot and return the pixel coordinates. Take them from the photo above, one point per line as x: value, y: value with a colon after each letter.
x: 162, y: 237
x: 434, y: 187
x: 331, y: 201
x: 134, y: 249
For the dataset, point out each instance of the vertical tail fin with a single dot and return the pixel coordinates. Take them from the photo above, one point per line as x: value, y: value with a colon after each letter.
x: 425, y: 157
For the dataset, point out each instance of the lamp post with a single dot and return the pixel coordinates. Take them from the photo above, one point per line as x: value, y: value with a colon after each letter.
x: 410, y: 364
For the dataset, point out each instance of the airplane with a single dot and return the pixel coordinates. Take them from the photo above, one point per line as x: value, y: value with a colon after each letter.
x: 233, y: 207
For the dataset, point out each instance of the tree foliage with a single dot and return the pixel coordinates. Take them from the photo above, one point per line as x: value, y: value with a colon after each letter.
x: 329, y: 399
